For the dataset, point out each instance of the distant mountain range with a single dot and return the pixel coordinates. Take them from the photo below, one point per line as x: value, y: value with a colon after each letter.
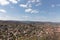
x: 29, y: 22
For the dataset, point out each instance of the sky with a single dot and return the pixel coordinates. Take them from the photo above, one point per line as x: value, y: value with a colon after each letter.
x: 30, y: 10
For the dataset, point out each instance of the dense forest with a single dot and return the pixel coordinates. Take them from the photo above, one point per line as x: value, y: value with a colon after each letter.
x: 16, y: 30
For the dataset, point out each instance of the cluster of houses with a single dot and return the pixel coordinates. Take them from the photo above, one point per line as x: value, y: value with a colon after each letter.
x: 16, y: 32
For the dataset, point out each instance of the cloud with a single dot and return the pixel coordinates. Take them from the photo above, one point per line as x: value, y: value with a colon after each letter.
x: 26, y: 5
x: 31, y: 11
x: 23, y: 5
x: 38, y: 0
x: 28, y: 10
x: 34, y: 1
x: 38, y: 4
x: 2, y: 11
x: 14, y: 1
x: 53, y: 5
x: 4, y: 2
x: 34, y: 11
x: 30, y: 4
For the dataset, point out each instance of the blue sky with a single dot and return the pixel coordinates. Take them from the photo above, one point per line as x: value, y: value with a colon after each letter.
x: 30, y: 10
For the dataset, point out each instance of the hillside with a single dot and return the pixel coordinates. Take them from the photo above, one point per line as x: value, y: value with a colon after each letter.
x: 29, y: 30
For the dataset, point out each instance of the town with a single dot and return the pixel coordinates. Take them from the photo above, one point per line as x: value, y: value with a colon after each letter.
x: 29, y: 31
